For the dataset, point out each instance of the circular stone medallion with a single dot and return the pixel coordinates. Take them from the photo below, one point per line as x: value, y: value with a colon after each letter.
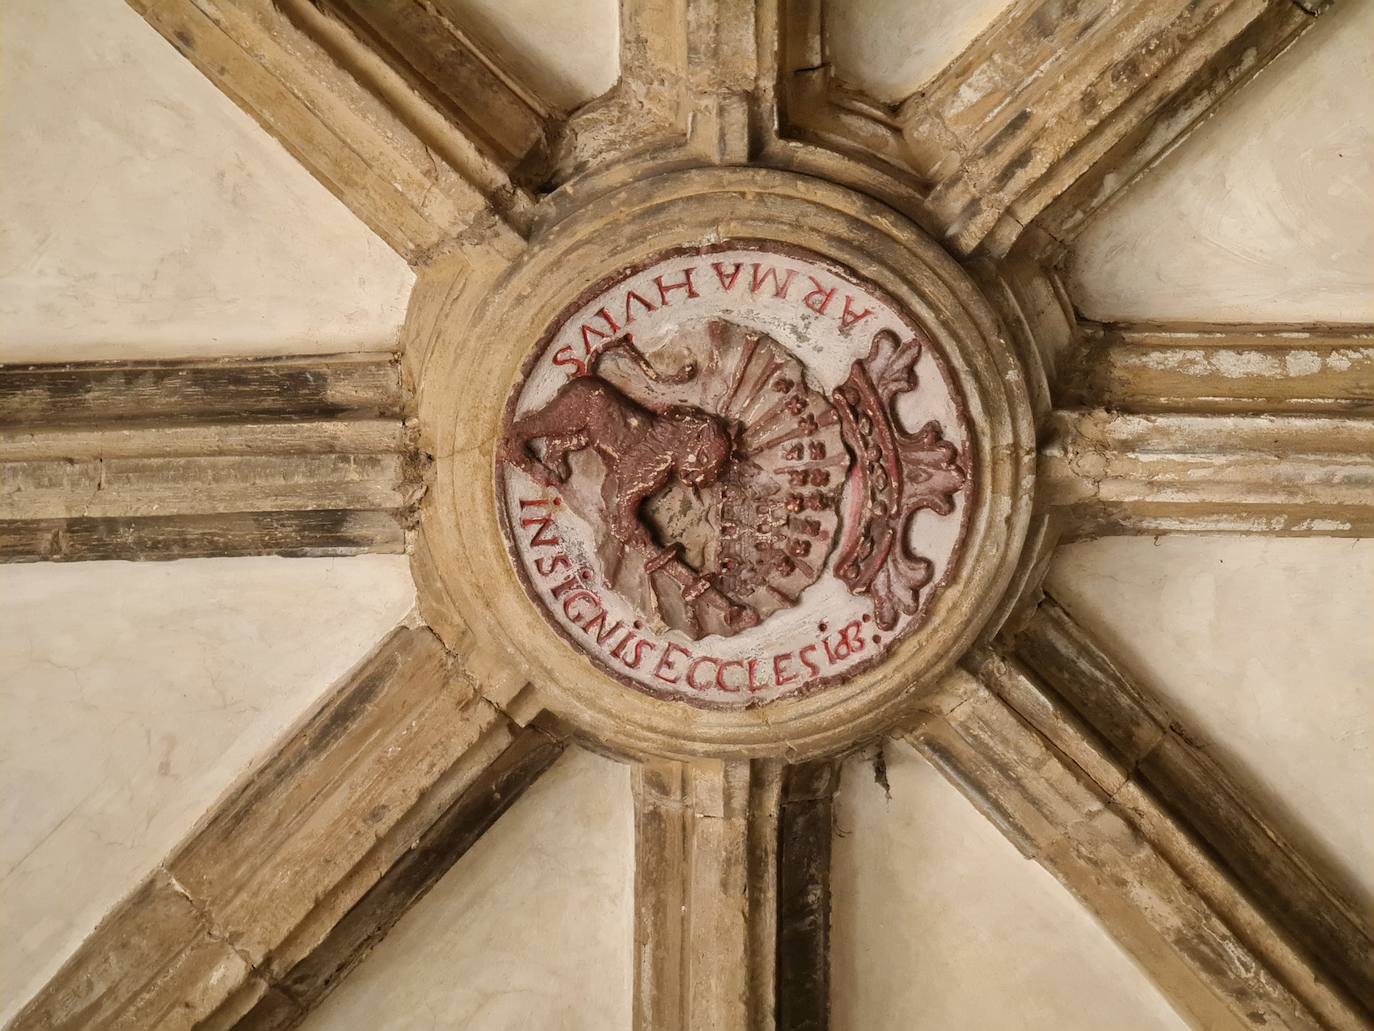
x: 734, y: 474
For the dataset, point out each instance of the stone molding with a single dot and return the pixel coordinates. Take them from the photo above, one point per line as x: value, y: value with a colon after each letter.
x: 366, y: 133
x: 1291, y: 475
x: 1147, y: 745
x: 299, y: 870
x: 727, y: 123
x: 1040, y: 773
x: 467, y: 582
x: 1045, y: 115
x: 732, y: 895
x: 1240, y: 369
x: 178, y: 459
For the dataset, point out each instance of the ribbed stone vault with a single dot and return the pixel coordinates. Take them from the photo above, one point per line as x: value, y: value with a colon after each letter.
x: 985, y: 178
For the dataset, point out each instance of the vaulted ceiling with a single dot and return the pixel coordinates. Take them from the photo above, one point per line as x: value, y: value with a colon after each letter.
x: 246, y: 785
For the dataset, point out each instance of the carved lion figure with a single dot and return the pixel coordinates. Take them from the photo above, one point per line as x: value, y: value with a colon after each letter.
x: 641, y: 449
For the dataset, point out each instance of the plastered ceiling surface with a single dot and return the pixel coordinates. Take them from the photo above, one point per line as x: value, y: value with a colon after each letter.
x: 890, y: 48
x: 532, y: 928
x: 146, y: 216
x: 1264, y: 214
x: 568, y: 51
x: 1262, y: 648
x: 982, y: 933
x: 133, y: 696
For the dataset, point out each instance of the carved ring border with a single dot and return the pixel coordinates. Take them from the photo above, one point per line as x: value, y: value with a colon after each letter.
x: 470, y: 589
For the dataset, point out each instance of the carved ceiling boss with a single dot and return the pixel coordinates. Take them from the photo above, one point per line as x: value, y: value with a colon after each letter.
x: 737, y: 419
x: 734, y: 474
x: 735, y: 463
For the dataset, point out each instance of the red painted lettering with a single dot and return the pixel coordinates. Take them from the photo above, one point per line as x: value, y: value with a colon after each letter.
x: 811, y: 667
x: 564, y: 357
x: 826, y: 296
x: 781, y: 676
x: 727, y: 284
x: 587, y: 333
x: 852, y: 636
x: 720, y: 676
x: 664, y: 289
x: 615, y: 652
x: 665, y: 663
x: 630, y: 298
x: 753, y: 669
x: 638, y: 656
x: 568, y: 602
x: 763, y: 273
x: 692, y: 673
x: 541, y: 539
x: 547, y: 566
x: 848, y: 320
x: 850, y: 641
x: 564, y: 587
x: 599, y: 621
x: 605, y: 316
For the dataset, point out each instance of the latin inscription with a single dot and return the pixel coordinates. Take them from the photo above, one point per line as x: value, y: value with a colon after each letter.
x: 735, y: 475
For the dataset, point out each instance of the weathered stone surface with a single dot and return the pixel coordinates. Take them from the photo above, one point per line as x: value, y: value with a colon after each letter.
x: 532, y: 927
x: 690, y: 92
x: 732, y: 895
x: 294, y: 456
x: 102, y: 393
x: 806, y: 825
x: 299, y: 986
x: 324, y: 533
x: 175, y: 485
x: 889, y: 49
x: 359, y: 810
x: 1188, y: 786
x: 705, y: 888
x: 463, y: 79
x: 1293, y: 475
x: 1043, y: 116
x: 930, y: 898
x: 1218, y: 960
x: 825, y: 127
x: 352, y: 120
x: 153, y: 962
x: 1258, y: 216
x: 1046, y: 92
x: 1242, y: 43
x: 1054, y: 693
x: 1307, y: 369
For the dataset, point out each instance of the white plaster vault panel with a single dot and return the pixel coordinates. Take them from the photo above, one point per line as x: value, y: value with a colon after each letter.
x: 144, y: 215
x: 890, y: 48
x: 1265, y: 213
x: 131, y: 697
x: 532, y: 928
x: 939, y: 923
x: 568, y: 52
x: 1263, y: 650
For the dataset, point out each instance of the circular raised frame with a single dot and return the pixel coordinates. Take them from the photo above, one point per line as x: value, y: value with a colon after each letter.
x: 761, y: 247
x: 477, y: 357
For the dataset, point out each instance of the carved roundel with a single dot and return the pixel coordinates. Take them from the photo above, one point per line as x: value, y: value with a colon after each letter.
x: 735, y: 473
x: 727, y: 462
